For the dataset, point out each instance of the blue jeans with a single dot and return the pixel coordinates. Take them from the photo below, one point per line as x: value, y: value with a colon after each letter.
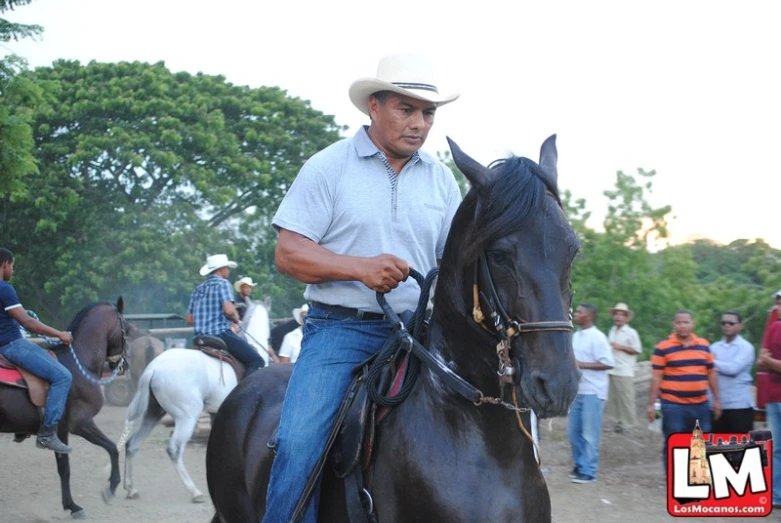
x: 774, y: 421
x: 682, y: 418
x: 332, y: 347
x: 242, y: 351
x: 35, y: 360
x: 585, y: 431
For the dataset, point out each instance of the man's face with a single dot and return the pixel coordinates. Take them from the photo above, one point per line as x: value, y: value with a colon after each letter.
x: 7, y: 270
x: 245, y: 289
x: 730, y: 325
x: 619, y: 318
x: 582, y: 316
x: 400, y: 126
x: 683, y: 325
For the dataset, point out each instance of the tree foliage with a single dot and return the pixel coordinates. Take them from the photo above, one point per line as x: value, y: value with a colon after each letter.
x: 12, y: 31
x: 143, y: 172
x: 18, y: 98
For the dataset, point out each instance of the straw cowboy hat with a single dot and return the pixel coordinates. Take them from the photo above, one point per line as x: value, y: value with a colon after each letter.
x: 216, y: 261
x: 409, y: 75
x: 624, y: 308
x: 246, y: 280
x: 299, y: 312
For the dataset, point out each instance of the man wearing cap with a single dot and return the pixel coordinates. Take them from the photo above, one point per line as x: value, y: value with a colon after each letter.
x: 244, y: 287
x: 626, y: 346
x: 291, y: 344
x: 212, y: 312
x: 359, y: 214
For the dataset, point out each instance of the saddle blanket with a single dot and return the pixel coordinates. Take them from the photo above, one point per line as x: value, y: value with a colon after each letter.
x: 12, y: 377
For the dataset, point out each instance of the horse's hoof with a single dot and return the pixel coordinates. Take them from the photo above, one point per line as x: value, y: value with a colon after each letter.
x: 200, y: 498
x: 133, y: 494
x: 108, y: 495
x: 79, y: 514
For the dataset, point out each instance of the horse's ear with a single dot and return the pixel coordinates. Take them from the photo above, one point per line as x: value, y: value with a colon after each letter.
x: 549, y: 157
x: 475, y: 172
x: 120, y: 305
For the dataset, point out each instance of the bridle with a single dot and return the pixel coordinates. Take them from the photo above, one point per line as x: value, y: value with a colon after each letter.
x: 503, y: 327
x: 121, y: 358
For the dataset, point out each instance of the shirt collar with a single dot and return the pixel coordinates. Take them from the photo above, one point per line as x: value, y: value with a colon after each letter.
x: 365, y: 147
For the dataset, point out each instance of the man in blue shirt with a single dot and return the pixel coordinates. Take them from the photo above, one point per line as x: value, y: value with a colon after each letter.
x: 211, y: 311
x: 733, y: 358
x: 32, y: 358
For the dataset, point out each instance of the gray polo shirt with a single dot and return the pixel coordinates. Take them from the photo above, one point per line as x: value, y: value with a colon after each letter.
x: 348, y: 199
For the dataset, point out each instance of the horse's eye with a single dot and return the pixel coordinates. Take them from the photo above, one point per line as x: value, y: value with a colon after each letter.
x: 500, y: 257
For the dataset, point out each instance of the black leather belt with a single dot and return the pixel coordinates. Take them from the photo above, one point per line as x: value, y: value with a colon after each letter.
x: 355, y: 314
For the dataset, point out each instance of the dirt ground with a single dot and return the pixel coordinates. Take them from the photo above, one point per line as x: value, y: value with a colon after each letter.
x: 630, y: 487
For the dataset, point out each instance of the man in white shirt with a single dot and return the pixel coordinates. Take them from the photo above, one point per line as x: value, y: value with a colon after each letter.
x: 594, y: 357
x: 626, y: 346
x: 291, y: 343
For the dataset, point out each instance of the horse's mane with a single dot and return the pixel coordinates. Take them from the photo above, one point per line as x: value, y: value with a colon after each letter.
x: 76, y: 322
x: 515, y: 193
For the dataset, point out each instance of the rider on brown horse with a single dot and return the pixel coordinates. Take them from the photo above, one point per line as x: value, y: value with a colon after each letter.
x: 27, y: 355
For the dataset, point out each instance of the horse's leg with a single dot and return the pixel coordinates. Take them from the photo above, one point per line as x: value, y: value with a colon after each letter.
x: 89, y: 431
x: 151, y: 418
x: 183, y: 431
x: 64, y: 471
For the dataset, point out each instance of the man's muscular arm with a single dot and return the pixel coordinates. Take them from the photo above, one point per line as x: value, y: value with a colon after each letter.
x: 299, y: 257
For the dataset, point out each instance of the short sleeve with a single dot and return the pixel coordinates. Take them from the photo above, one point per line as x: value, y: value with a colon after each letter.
x: 226, y: 292
x: 8, y: 297
x: 604, y: 353
x: 658, y: 360
x: 453, y: 201
x: 307, y: 207
x: 286, y: 349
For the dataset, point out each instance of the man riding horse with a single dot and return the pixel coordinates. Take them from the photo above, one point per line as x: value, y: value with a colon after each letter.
x: 359, y: 214
x: 32, y: 358
x: 212, y: 311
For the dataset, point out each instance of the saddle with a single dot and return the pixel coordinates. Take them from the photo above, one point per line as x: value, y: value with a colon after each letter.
x: 37, y: 388
x: 216, y: 348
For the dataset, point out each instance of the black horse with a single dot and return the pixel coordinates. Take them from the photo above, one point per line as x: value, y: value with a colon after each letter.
x: 439, y: 458
x: 98, y: 338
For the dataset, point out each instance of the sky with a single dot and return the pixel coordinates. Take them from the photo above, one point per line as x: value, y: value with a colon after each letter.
x: 690, y: 89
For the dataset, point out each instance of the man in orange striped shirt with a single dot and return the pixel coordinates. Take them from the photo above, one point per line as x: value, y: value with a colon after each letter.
x: 682, y: 371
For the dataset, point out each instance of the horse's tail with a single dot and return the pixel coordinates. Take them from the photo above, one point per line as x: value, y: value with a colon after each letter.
x: 140, y: 401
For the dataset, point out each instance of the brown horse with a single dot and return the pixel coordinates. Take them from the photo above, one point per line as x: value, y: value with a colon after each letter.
x: 439, y: 458
x: 98, y: 336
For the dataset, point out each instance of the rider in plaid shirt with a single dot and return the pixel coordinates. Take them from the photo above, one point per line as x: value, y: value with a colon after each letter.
x: 212, y: 310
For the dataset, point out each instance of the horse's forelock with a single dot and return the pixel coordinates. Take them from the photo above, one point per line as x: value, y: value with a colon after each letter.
x: 517, y: 191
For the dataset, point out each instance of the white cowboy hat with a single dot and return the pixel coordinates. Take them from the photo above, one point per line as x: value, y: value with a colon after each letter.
x: 409, y: 75
x: 624, y: 308
x: 298, y: 313
x: 246, y: 280
x: 777, y: 294
x: 216, y: 261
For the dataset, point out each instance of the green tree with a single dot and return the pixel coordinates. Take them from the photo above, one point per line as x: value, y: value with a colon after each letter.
x: 143, y: 172
x: 12, y: 31
x: 614, y: 264
x: 18, y: 97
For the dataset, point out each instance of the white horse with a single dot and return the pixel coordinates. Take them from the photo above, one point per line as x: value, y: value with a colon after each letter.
x: 183, y: 383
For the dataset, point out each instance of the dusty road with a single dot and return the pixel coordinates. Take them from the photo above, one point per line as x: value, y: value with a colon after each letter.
x: 630, y: 486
